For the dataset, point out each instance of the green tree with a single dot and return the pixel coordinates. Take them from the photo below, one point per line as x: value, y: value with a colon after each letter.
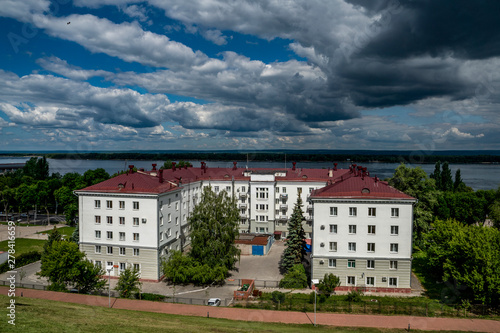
x: 459, y: 185
x: 446, y: 179
x: 75, y: 236
x: 7, y: 196
x: 214, y: 227
x: 436, y: 175
x: 92, y: 177
x: 68, y: 201
x: 26, y: 197
x: 42, y: 197
x: 295, y: 278
x: 37, y: 168
x: 295, y: 243
x: 89, y: 278
x: 328, y: 284
x: 128, y: 282
x: 54, y: 236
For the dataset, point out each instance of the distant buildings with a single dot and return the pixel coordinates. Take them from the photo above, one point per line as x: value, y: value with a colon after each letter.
x: 138, y: 217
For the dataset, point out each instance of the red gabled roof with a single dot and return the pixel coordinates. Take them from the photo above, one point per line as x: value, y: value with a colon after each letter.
x: 357, y: 187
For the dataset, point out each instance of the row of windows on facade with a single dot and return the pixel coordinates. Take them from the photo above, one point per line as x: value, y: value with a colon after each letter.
x: 370, y: 264
x: 109, y: 250
x: 370, y: 281
x: 109, y: 235
x: 135, y: 220
x: 370, y: 247
x: 123, y: 265
x: 372, y: 211
x: 371, y: 229
x: 121, y: 204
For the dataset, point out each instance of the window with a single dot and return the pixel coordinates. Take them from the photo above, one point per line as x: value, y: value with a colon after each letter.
x: 109, y: 234
x: 122, y: 204
x: 109, y: 219
x: 122, y: 220
x: 262, y: 193
x: 284, y: 189
x: 333, y: 246
x: 98, y: 234
x: 161, y: 236
x: 277, y: 189
x: 98, y: 263
x: 351, y: 280
x: 371, y: 230
x: 161, y: 220
x: 370, y: 247
x: 395, y: 212
x: 176, y: 235
x: 353, y: 211
x: 352, y: 229
x: 97, y: 219
x: 333, y: 211
x: 136, y: 236
x: 176, y: 206
x: 110, y: 264
x: 394, y: 230
x: 122, y: 236
x: 394, y: 247
x: 351, y: 263
x: 332, y: 263
x: 393, y: 282
x: 110, y: 250
x: 169, y: 232
x: 98, y: 249
x: 370, y: 281
x: 123, y: 251
x: 122, y: 266
x: 228, y: 189
x: 176, y: 221
x: 109, y: 204
x: 169, y: 217
x: 136, y: 205
x: 243, y: 189
x: 136, y: 252
x: 169, y: 202
x: 372, y: 211
x: 352, y: 247
x: 333, y: 228
x: 370, y: 264
x: 216, y: 189
x: 393, y: 264
x: 97, y: 203
x: 137, y: 267
x: 136, y: 221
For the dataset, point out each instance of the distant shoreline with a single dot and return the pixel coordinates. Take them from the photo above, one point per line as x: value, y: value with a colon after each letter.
x: 453, y: 157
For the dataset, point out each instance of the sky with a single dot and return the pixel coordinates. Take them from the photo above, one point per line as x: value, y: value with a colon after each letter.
x: 94, y: 75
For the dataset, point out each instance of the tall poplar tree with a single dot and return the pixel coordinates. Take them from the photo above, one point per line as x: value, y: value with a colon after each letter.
x: 295, y: 243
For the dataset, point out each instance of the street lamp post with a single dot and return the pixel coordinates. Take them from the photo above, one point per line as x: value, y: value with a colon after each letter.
x: 109, y: 269
x: 315, y: 282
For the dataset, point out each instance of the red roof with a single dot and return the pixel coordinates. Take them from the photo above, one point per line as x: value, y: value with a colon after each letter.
x: 252, y: 239
x: 358, y: 187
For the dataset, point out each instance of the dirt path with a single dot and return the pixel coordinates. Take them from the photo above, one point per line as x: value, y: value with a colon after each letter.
x: 330, y: 319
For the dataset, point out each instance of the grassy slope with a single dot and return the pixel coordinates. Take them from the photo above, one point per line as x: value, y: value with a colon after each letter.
x: 35, y: 315
x: 65, y: 231
x: 24, y: 245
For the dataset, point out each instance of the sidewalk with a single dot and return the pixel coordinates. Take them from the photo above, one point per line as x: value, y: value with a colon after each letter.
x: 328, y: 319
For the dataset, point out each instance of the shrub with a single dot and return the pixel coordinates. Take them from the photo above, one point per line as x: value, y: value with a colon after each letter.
x: 295, y: 278
x: 22, y: 260
x: 354, y: 296
x: 278, y: 296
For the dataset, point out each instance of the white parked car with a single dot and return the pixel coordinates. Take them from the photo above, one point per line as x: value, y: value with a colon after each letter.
x: 214, y: 302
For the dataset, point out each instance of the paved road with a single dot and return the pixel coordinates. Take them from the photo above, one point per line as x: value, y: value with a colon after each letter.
x: 329, y: 319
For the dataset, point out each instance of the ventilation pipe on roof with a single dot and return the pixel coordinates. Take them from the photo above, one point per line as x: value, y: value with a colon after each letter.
x: 160, y: 174
x: 185, y: 166
x: 335, y: 166
x: 294, y: 163
x: 234, y: 165
x: 173, y: 166
x: 131, y: 168
x: 154, y: 166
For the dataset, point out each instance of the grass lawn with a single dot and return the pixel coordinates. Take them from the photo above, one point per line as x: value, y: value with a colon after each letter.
x: 36, y: 315
x: 65, y: 231
x: 24, y: 245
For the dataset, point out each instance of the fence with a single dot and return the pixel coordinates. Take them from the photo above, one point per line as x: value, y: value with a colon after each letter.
x: 257, y: 283
x: 373, y: 307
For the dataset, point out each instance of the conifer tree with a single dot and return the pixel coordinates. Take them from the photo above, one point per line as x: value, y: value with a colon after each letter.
x: 295, y: 243
x: 436, y: 175
x: 446, y: 178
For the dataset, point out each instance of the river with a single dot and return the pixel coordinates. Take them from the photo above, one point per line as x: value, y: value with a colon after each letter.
x: 477, y: 176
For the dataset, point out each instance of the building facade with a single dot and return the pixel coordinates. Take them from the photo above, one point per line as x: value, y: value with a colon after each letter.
x: 362, y: 233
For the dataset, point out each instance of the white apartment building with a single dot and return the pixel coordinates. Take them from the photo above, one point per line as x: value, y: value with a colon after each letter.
x: 362, y: 233
x: 138, y: 217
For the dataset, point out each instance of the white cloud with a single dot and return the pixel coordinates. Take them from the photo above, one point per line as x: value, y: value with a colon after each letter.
x: 62, y: 67
x: 456, y: 132
x: 215, y: 36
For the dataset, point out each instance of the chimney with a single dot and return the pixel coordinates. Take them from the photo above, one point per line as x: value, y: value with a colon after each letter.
x: 154, y: 166
x: 376, y: 179
x: 335, y: 166
x: 185, y: 166
x: 293, y: 163
x: 360, y: 171
x: 354, y: 169
x: 131, y: 168
x: 330, y: 173
x: 173, y: 166
x: 234, y: 165
x: 160, y: 174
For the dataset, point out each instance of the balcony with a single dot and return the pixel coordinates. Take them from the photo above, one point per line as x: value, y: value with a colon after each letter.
x: 283, y: 196
x: 309, y: 207
x: 243, y: 194
x: 309, y: 218
x: 281, y: 218
x: 283, y: 206
x: 243, y: 216
x: 242, y: 205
